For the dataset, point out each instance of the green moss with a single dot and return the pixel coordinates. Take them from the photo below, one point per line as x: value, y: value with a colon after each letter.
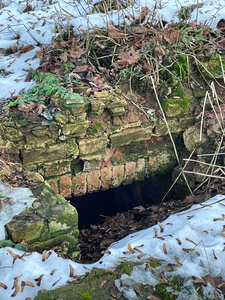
x: 213, y: 66
x: 153, y: 264
x: 163, y: 293
x: 85, y: 294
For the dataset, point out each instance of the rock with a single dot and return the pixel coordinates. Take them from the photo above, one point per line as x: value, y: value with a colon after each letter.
x: 50, y: 221
x: 192, y: 138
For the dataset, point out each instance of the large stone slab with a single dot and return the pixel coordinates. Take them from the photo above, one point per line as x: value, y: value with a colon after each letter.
x: 129, y: 136
x: 50, y: 221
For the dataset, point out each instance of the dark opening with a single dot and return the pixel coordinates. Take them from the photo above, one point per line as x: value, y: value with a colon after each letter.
x: 93, y: 207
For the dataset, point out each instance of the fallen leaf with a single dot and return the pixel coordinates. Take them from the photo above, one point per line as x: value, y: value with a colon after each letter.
x: 38, y: 280
x: 25, y: 49
x: 115, y: 33
x: 128, y: 58
x: 178, y: 241
x: 164, y: 248
x: 4, y: 286
x: 26, y: 283
x: 71, y: 270
x: 171, y: 36
x: 52, y: 271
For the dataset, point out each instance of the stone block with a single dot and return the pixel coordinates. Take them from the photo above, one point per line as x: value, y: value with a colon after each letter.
x: 91, y: 165
x: 129, y: 173
x: 130, y: 135
x: 13, y: 134
x: 92, y: 145
x: 117, y: 176
x: 56, y: 168
x: 93, y: 181
x: 72, y: 148
x: 140, y: 169
x: 51, y: 153
x: 161, y: 128
x: 79, y: 185
x: 65, y: 186
x: 77, y: 130
x: 106, y: 178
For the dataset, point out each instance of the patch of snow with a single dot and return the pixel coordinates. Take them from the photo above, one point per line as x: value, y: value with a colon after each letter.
x: 201, y: 228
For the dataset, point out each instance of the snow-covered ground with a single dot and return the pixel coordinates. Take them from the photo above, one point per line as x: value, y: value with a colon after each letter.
x: 194, y: 240
x: 19, y: 28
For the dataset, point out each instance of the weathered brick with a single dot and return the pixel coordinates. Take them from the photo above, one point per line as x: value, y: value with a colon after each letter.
x: 56, y: 168
x: 92, y: 145
x: 130, y: 135
x: 106, y: 177
x: 79, y: 185
x: 54, y: 184
x: 140, y: 169
x: 117, y: 176
x: 129, y: 173
x: 93, y: 181
x: 65, y: 186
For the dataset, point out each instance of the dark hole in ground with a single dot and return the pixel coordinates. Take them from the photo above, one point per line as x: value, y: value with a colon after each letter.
x: 93, y: 208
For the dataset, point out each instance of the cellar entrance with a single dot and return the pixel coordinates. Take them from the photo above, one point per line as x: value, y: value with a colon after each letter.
x: 94, y: 208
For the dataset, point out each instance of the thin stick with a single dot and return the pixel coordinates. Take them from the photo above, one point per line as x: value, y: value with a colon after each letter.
x: 202, y: 162
x: 205, y: 175
x: 205, y: 205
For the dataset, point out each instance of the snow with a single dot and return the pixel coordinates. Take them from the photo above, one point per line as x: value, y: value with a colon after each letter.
x: 19, y: 27
x: 200, y: 228
x: 18, y: 200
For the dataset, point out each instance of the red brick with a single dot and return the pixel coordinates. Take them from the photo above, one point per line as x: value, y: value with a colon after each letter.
x: 129, y: 172
x: 140, y: 169
x: 54, y: 185
x: 93, y: 181
x: 117, y: 175
x: 106, y: 178
x: 65, y: 186
x: 79, y: 185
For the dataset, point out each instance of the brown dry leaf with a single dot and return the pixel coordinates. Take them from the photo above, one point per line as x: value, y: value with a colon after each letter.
x: 14, y: 255
x: 143, y: 14
x: 71, y: 270
x: 4, y: 286
x: 26, y: 283
x: 156, y: 232
x: 161, y: 226
x: 220, y: 219
x: 76, y: 54
x: 159, y: 52
x: 38, y: 280
x: 16, y: 287
x: 221, y: 234
x: 171, y: 35
x: 43, y: 255
x: 141, y: 255
x: 130, y: 248
x: 115, y: 33
x: 214, y: 254
x: 188, y: 249
x: 205, y: 231
x: 148, y: 266
x: 152, y: 258
x: 197, y: 253
x: 140, y: 208
x: 190, y: 217
x: 64, y: 57
x: 40, y: 53
x: 164, y: 248
x: 128, y: 58
x: 189, y: 240
x: 80, y: 69
x: 102, y: 284
x: 47, y: 255
x: 178, y: 241
x: 25, y: 49
x: 52, y: 271
x: 177, y: 261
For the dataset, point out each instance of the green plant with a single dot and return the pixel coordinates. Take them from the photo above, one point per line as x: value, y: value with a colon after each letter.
x: 128, y: 72
x: 151, y: 114
x: 47, y: 86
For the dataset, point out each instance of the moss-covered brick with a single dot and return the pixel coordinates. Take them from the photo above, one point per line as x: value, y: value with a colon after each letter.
x: 174, y: 125
x: 92, y: 145
x: 51, y: 153
x: 56, y: 168
x: 140, y: 169
x: 117, y: 176
x: 93, y: 181
x: 72, y: 149
x: 26, y: 227
x: 213, y: 67
x: 33, y: 142
x: 106, y: 177
x: 61, y: 118
x: 77, y: 130
x: 161, y: 160
x: 129, y: 173
x: 76, y: 108
x: 50, y: 221
x: 13, y: 134
x: 117, y: 111
x: 97, y: 107
x: 130, y: 135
